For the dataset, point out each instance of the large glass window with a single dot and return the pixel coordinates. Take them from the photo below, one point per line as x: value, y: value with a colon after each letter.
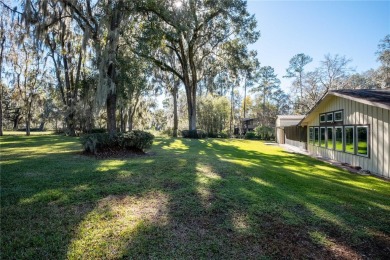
x: 322, y: 136
x: 322, y: 118
x: 349, y: 139
x: 338, y: 116
x: 316, y: 135
x: 329, y: 117
x: 338, y: 138
x: 362, y: 140
x: 329, y: 135
x: 311, y: 135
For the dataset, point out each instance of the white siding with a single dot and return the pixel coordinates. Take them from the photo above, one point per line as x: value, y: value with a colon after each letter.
x: 355, y: 113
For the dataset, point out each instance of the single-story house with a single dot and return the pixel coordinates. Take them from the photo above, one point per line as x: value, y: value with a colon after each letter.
x: 352, y: 126
x: 287, y: 130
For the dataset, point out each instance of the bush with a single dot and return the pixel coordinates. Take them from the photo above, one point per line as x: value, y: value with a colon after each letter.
x: 223, y: 134
x: 264, y: 132
x: 212, y: 135
x: 97, y: 130
x: 168, y: 132
x: 196, y: 134
x: 250, y: 135
x: 133, y: 140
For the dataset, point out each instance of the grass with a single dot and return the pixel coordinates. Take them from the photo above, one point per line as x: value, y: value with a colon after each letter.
x: 189, y: 199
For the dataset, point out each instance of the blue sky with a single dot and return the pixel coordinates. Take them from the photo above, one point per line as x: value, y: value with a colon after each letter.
x: 316, y: 28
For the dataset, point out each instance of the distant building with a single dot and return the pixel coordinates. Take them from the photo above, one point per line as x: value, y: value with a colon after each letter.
x: 287, y: 130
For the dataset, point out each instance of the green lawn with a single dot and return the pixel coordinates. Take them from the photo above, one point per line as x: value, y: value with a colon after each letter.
x: 188, y: 199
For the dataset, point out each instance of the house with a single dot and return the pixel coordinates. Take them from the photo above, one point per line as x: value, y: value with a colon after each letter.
x: 352, y: 126
x: 287, y: 130
x: 246, y: 124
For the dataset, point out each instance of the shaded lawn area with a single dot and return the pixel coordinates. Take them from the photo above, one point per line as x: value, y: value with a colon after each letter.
x: 190, y: 199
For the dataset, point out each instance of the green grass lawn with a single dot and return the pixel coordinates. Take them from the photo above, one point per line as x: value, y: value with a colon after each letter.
x: 187, y: 199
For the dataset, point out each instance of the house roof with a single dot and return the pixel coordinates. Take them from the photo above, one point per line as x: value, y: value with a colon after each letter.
x: 291, y: 116
x: 373, y: 97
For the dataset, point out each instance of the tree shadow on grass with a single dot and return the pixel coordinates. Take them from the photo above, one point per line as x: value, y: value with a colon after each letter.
x: 193, y: 199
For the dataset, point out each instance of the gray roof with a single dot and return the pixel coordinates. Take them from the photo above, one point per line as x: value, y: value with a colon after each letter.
x: 376, y: 97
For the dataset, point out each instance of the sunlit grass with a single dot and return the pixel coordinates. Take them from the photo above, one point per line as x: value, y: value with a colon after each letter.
x: 209, y: 198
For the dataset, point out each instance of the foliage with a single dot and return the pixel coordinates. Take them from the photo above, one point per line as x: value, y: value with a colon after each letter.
x: 383, y: 54
x: 194, y: 134
x: 250, y: 135
x: 213, y: 114
x: 133, y: 140
x: 195, y: 31
x: 223, y: 134
x: 264, y: 132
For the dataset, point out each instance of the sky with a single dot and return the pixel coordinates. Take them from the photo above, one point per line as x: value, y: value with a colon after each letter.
x: 316, y: 28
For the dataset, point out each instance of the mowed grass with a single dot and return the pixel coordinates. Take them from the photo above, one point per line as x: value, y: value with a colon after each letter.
x: 189, y: 199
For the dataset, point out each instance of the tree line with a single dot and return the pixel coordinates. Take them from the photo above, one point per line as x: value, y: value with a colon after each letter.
x: 79, y: 65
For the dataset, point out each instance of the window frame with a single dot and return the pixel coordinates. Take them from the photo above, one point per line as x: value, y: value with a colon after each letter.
x: 338, y: 112
x: 353, y: 139
x: 311, y: 135
x: 320, y: 137
x: 316, y: 142
x: 323, y: 115
x: 327, y: 137
x: 368, y: 140
x: 329, y: 114
x: 335, y: 138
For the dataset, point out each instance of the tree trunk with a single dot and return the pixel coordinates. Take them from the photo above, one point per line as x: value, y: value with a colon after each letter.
x: 16, y: 122
x: 70, y: 125
x: 245, y: 98
x: 192, y: 113
x: 231, y: 111
x: 28, y: 122
x: 175, y: 117
x: 1, y: 69
x: 1, y: 111
x: 123, y: 121
x: 111, y: 117
x: 42, y: 125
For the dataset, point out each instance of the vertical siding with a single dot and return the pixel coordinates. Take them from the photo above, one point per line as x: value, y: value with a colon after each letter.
x: 356, y: 113
x: 386, y: 142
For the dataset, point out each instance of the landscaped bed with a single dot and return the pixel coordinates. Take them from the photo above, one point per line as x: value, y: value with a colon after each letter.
x: 195, y: 199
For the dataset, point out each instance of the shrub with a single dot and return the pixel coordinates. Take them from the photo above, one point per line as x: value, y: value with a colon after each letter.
x: 264, y: 132
x: 250, y: 135
x: 196, y: 134
x: 223, y: 134
x: 133, y: 140
x: 212, y: 135
x: 97, y: 130
x: 168, y: 132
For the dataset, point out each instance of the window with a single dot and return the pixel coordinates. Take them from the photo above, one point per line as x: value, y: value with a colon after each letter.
x: 338, y: 116
x: 329, y: 117
x: 338, y: 138
x: 316, y: 135
x: 322, y: 118
x: 311, y: 135
x: 322, y: 136
x: 362, y: 140
x: 349, y: 139
x: 329, y: 135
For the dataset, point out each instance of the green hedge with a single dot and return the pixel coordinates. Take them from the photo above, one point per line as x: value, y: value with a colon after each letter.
x: 196, y: 134
x: 250, y: 135
x: 133, y: 140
